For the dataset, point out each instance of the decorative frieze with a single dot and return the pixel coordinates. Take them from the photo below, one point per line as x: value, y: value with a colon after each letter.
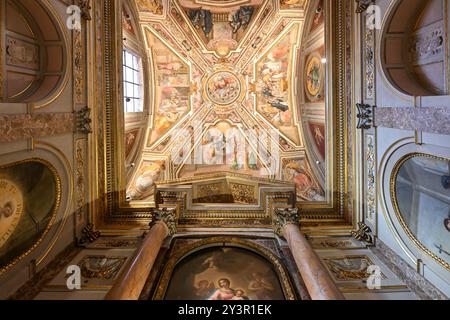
x: 427, y: 45
x: 369, y: 61
x: 78, y: 67
x: 243, y: 193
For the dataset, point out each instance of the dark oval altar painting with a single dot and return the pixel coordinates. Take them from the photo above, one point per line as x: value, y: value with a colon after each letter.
x: 28, y: 198
x: 224, y: 273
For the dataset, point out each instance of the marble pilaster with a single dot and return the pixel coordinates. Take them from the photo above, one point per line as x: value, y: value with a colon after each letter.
x: 318, y: 281
x: 25, y: 126
x: 431, y: 120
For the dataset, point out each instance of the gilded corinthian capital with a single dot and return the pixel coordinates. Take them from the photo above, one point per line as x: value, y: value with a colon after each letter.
x: 284, y: 217
x: 362, y: 5
x: 168, y: 216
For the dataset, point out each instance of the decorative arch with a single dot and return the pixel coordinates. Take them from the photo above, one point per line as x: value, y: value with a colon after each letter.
x: 225, y: 242
x: 413, y: 47
x: 35, y: 53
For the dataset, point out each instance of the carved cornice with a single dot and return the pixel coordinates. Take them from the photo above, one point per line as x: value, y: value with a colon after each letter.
x: 168, y: 216
x: 364, y: 233
x: 284, y: 217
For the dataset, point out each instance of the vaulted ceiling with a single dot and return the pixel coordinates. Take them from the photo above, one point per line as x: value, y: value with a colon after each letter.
x: 233, y: 87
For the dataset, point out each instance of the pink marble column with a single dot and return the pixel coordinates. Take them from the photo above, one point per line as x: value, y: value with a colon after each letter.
x: 132, y: 280
x: 318, y: 281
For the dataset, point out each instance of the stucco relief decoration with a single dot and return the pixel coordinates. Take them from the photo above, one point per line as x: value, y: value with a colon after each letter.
x: 22, y: 54
x: 101, y: 267
x: 369, y: 45
x: 427, y: 44
x: 371, y: 178
x: 319, y: 243
x: 349, y: 268
x: 80, y: 177
x: 243, y: 193
x: 78, y: 77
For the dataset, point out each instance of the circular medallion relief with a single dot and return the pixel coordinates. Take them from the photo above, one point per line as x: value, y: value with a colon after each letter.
x: 11, y: 208
x: 314, y: 77
x: 223, y: 88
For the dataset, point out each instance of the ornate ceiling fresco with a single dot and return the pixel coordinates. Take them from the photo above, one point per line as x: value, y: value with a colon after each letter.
x: 236, y: 87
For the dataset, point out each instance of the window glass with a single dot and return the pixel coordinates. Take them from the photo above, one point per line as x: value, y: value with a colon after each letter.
x: 132, y: 79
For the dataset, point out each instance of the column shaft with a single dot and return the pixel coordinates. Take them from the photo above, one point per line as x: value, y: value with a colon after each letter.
x: 317, y: 279
x: 131, y: 281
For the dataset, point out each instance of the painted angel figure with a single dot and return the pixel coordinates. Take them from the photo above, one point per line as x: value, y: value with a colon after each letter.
x: 261, y: 286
